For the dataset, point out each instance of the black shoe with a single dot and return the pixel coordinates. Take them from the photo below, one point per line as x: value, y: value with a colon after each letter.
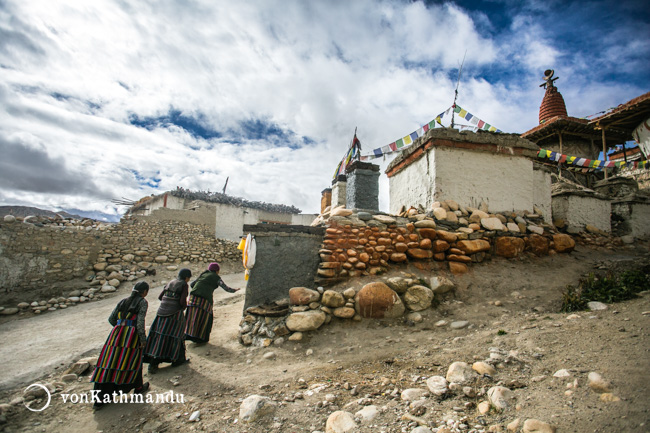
x: 152, y: 369
x: 145, y: 388
x: 179, y: 363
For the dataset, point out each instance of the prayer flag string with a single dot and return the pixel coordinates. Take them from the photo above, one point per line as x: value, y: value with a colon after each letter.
x: 404, y: 142
x: 589, y: 164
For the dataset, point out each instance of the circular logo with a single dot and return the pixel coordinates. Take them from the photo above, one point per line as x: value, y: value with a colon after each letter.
x: 47, y: 391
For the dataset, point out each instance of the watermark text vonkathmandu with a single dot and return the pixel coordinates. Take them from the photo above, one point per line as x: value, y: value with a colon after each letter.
x: 121, y: 397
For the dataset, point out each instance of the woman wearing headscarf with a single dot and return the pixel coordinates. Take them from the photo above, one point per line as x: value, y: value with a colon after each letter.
x: 199, y: 307
x: 166, y: 341
x: 119, y: 366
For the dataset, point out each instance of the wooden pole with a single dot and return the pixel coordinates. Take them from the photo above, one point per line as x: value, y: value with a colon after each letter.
x: 559, y: 166
x: 604, y: 152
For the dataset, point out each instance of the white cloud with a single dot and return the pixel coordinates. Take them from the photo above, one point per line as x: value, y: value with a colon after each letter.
x: 75, y: 73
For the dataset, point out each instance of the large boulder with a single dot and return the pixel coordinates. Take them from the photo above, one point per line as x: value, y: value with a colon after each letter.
x: 306, y: 320
x: 461, y: 373
x: 255, y: 407
x: 492, y: 224
x: 563, y: 243
x: 333, y: 299
x: 447, y: 236
x: 440, y: 284
x: 500, y: 397
x: 473, y: 246
x: 419, y: 253
x: 340, y: 422
x: 438, y: 385
x: 538, y: 245
x: 418, y: 298
x: 341, y: 212
x: 303, y: 296
x: 399, y: 284
x: 377, y: 301
x: 509, y: 247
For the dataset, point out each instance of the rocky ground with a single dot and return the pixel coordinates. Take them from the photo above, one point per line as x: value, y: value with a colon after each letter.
x: 581, y: 372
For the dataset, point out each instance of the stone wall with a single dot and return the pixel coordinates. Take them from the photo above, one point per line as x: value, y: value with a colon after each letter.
x: 32, y: 256
x: 451, y: 236
x: 36, y: 256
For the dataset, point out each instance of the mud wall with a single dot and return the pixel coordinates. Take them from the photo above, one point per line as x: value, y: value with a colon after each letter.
x: 579, y: 211
x: 287, y: 256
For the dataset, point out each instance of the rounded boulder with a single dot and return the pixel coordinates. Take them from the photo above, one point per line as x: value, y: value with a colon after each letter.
x: 377, y: 301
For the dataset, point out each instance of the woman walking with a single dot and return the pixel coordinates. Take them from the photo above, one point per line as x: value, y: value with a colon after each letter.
x: 199, y: 307
x: 166, y: 341
x: 119, y: 366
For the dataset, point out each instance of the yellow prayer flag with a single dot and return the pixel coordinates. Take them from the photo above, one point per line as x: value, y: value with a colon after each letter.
x: 462, y: 113
x: 407, y: 140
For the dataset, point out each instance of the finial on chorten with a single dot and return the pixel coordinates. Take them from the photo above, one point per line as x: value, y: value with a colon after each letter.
x: 553, y: 102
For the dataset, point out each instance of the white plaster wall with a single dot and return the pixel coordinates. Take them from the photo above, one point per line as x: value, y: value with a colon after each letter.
x: 542, y: 193
x: 504, y: 182
x: 303, y: 219
x: 578, y: 211
x: 159, y: 202
x: 229, y: 223
x: 640, y: 220
x: 339, y: 191
x: 411, y: 187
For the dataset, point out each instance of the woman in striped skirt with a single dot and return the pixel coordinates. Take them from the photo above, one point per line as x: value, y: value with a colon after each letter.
x: 119, y: 366
x: 199, y: 307
x: 166, y: 342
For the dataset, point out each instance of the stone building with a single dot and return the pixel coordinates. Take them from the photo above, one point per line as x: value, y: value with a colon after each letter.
x: 226, y: 213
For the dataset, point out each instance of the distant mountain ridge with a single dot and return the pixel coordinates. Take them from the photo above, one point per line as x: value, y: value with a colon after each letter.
x: 24, y: 211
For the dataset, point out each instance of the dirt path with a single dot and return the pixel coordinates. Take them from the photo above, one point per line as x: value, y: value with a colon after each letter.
x: 512, y: 307
x: 33, y: 346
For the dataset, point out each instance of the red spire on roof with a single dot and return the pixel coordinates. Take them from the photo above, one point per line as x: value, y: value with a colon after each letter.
x: 553, y: 102
x: 552, y: 105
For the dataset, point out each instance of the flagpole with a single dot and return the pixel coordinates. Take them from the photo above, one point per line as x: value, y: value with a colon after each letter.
x: 456, y: 91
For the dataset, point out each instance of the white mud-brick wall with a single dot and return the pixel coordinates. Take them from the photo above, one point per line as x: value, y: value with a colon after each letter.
x: 303, y: 219
x: 542, y: 193
x: 159, y: 202
x: 412, y: 186
x: 339, y: 191
x: 504, y: 182
x: 637, y: 216
x: 577, y: 211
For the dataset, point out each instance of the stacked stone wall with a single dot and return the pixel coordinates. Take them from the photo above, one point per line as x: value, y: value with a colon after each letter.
x: 359, y: 243
x: 31, y: 256
x: 37, y: 253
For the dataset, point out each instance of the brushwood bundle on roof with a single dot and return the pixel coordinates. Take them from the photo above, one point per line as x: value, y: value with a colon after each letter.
x: 217, y: 197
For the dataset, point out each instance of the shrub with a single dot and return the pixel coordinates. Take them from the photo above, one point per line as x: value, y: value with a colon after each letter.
x: 608, y: 289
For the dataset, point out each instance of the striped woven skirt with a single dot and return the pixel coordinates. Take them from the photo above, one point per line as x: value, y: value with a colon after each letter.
x: 120, y: 360
x: 199, y: 319
x: 166, y: 340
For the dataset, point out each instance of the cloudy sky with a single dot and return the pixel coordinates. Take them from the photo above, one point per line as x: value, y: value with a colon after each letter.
x: 109, y: 99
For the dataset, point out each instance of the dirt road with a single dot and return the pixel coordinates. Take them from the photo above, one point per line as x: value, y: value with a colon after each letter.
x: 512, y: 307
x: 37, y: 344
